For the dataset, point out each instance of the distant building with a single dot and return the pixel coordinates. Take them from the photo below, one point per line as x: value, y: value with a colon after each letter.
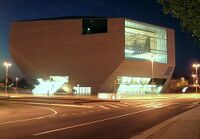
x: 96, y: 54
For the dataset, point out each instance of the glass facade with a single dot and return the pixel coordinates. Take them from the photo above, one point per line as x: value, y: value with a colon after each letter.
x: 144, y: 42
x: 139, y: 85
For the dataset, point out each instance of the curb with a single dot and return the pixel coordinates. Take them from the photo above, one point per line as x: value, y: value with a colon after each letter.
x: 53, y: 100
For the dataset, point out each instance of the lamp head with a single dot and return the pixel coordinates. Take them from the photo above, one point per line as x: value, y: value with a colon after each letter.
x: 7, y: 64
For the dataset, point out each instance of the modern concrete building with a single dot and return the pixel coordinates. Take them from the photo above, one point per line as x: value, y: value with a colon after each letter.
x: 96, y: 54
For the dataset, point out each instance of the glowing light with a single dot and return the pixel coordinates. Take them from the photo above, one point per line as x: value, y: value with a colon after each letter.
x: 105, y: 95
x: 7, y: 64
x: 196, y: 65
x: 49, y: 87
x: 82, y: 90
x: 184, y: 89
x: 137, y: 85
x: 67, y: 88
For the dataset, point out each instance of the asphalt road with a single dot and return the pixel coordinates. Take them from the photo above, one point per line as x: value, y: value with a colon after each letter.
x: 97, y: 120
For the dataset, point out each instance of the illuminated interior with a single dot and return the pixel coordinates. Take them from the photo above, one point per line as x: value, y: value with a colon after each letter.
x: 51, y: 86
x: 142, y: 42
x: 78, y: 90
x: 139, y: 85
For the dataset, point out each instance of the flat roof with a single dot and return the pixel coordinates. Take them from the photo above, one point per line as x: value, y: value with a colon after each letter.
x: 64, y: 17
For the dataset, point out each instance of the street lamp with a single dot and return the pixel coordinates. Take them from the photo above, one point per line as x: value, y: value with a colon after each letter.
x: 16, y: 79
x: 152, y: 72
x: 7, y: 65
x: 196, y: 81
x: 78, y: 90
x: 193, y: 77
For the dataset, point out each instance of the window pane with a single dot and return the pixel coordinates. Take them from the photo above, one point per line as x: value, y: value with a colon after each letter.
x: 142, y: 42
x: 90, y: 26
x: 139, y: 85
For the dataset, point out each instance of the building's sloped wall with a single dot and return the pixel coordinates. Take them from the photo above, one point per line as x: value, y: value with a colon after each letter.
x: 133, y: 68
x: 43, y: 48
x: 170, y: 55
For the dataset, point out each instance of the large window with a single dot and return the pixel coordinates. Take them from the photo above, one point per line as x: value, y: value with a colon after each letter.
x: 94, y: 25
x: 145, y: 42
x: 139, y: 85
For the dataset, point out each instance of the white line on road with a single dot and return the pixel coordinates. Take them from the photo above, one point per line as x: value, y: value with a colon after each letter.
x: 63, y: 115
x: 74, y: 113
x: 151, y: 105
x: 52, y: 116
x: 195, y: 102
x: 142, y: 105
x: 55, y: 104
x: 104, y: 107
x: 92, y: 122
x: 30, y: 119
x: 123, y: 105
x: 127, y: 103
x: 114, y: 106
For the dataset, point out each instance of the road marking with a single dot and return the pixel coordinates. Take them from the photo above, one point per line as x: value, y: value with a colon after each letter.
x: 127, y: 103
x: 120, y: 104
x: 55, y: 104
x: 138, y: 105
x: 152, y: 105
x: 104, y: 107
x: 113, y: 106
x: 53, y: 116
x: 63, y: 115
x: 161, y: 105
x: 30, y: 119
x: 147, y: 105
x: 74, y: 114
x: 93, y: 122
x: 195, y: 102
x: 190, y: 106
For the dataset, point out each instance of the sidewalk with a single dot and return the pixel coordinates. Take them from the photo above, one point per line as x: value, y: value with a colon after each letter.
x: 183, y: 126
x: 63, y: 99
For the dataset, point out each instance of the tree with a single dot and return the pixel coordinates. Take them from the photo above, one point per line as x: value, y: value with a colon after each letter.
x: 187, y: 11
x: 176, y: 85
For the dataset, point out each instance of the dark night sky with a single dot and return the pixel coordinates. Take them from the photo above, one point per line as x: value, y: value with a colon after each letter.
x: 187, y: 51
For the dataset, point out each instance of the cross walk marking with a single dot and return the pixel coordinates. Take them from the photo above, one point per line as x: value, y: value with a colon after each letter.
x: 121, y: 104
x: 104, y: 107
x: 115, y: 106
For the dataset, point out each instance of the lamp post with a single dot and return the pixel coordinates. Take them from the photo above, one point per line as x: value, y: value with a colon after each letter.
x: 196, y: 81
x: 16, y: 84
x: 193, y: 77
x: 152, y: 71
x: 7, y: 65
x: 78, y: 90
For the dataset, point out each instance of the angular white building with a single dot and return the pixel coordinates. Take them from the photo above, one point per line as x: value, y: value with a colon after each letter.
x: 97, y: 54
